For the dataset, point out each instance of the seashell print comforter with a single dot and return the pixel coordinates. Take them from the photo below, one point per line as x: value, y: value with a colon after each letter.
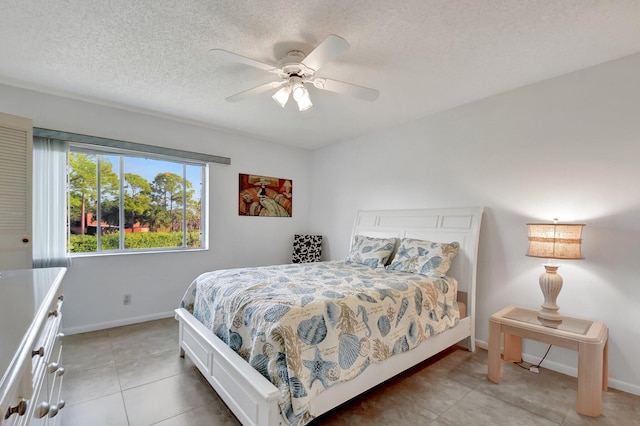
x: 307, y: 327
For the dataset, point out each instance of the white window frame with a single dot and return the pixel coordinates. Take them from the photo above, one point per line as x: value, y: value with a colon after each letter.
x: 121, y: 153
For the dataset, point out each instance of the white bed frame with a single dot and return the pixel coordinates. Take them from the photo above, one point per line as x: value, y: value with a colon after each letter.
x: 254, y: 400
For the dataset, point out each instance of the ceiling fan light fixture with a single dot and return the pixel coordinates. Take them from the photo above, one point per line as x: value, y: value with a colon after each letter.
x: 299, y: 91
x: 301, y: 95
x: 304, y: 102
x: 282, y: 96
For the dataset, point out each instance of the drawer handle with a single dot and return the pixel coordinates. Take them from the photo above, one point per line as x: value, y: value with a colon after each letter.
x: 19, y: 409
x: 43, y: 410
x: 53, y: 313
x: 54, y: 367
x: 55, y: 409
x: 38, y: 352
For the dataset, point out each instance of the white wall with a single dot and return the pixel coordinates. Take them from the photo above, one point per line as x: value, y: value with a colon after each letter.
x: 94, y: 286
x: 566, y: 148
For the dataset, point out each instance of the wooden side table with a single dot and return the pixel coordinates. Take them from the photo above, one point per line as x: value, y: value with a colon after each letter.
x: 588, y: 338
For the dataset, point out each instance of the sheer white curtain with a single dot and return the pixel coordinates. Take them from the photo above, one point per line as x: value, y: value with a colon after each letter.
x: 49, y: 203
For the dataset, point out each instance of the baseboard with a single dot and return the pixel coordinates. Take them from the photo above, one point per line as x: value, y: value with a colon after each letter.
x: 624, y: 386
x: 570, y: 371
x: 482, y: 344
x: 117, y: 323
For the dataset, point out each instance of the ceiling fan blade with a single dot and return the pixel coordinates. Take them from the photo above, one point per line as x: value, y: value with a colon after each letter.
x: 354, y: 90
x: 255, y: 91
x: 225, y: 54
x: 331, y: 47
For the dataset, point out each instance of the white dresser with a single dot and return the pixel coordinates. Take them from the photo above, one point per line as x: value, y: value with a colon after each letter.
x: 31, y: 346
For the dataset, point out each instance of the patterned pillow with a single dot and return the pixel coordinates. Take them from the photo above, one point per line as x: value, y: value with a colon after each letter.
x: 373, y: 252
x: 306, y: 248
x: 424, y: 257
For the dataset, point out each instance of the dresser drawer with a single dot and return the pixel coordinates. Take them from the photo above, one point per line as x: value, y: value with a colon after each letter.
x: 55, y: 375
x: 38, y: 406
x: 42, y: 350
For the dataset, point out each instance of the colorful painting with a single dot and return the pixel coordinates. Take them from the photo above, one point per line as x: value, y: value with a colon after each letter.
x: 265, y: 196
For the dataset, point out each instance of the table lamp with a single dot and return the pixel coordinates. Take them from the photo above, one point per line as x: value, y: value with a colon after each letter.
x: 553, y: 241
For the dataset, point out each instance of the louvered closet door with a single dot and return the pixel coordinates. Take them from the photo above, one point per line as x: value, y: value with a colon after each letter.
x: 16, y: 143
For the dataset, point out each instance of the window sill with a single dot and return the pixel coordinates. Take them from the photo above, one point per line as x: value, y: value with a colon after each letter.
x: 132, y: 252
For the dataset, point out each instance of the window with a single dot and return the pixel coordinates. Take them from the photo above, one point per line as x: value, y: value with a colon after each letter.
x: 122, y: 201
x: 121, y: 196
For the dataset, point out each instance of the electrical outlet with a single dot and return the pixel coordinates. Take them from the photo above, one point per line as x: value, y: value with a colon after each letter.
x: 126, y: 300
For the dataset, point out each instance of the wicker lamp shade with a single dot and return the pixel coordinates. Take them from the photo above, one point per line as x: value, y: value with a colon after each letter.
x: 555, y: 240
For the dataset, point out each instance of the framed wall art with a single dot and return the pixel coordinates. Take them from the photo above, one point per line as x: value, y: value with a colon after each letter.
x: 264, y: 196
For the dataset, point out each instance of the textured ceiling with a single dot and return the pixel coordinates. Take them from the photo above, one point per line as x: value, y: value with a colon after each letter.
x: 423, y: 56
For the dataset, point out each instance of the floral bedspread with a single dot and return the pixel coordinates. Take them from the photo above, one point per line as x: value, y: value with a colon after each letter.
x: 307, y: 327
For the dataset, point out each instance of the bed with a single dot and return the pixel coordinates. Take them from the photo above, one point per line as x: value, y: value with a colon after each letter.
x: 243, y: 384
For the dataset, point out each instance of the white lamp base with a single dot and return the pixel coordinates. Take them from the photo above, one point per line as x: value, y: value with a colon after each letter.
x: 550, y: 284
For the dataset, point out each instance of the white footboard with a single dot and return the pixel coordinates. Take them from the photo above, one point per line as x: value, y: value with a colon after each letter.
x: 251, y: 397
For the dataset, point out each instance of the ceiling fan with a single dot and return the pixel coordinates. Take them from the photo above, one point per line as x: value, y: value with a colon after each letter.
x: 295, y: 70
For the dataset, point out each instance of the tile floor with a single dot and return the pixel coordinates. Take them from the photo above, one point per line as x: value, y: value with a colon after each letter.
x: 133, y: 376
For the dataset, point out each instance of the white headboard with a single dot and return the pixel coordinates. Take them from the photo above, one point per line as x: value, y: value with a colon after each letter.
x: 438, y: 225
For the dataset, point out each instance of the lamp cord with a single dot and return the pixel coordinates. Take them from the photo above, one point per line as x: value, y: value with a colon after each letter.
x: 519, y: 364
